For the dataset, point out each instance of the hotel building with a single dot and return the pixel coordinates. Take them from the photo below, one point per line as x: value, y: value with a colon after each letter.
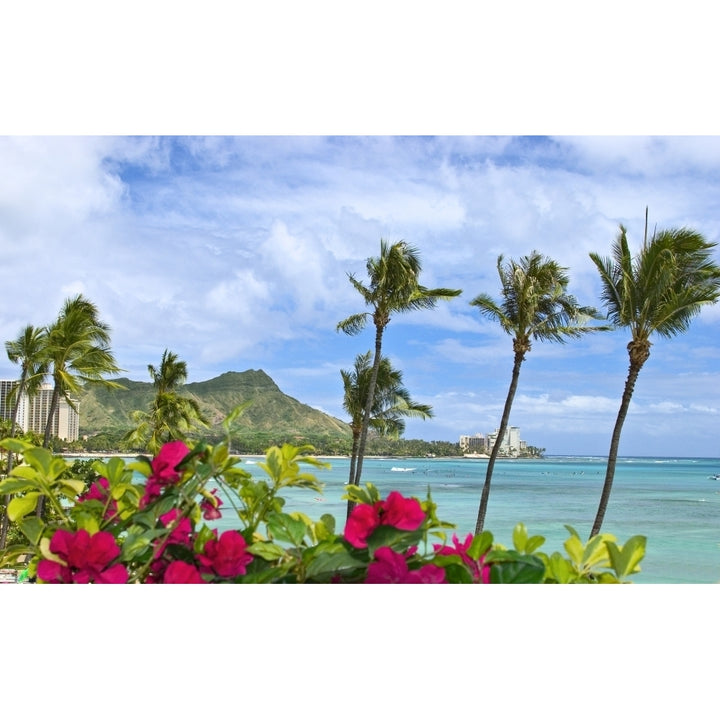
x: 33, y: 412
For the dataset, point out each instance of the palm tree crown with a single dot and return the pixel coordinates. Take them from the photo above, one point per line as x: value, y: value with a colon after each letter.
x: 78, y: 350
x: 392, y: 401
x: 393, y: 288
x: 658, y: 291
x: 171, y: 415
x: 535, y: 305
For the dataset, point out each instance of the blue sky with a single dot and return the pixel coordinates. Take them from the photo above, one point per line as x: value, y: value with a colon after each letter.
x: 233, y: 252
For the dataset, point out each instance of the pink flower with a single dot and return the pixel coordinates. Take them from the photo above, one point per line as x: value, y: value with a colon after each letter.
x: 182, y: 573
x: 85, y: 558
x: 227, y: 556
x: 391, y: 567
x: 480, y: 571
x: 100, y: 490
x: 396, y: 511
x: 210, y: 507
x: 164, y: 470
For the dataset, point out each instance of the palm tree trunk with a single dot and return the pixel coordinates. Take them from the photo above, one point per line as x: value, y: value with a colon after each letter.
x: 355, y: 479
x: 632, y: 377
x: 482, y: 510
x: 46, y: 441
x: 353, y: 461
x: 368, y: 405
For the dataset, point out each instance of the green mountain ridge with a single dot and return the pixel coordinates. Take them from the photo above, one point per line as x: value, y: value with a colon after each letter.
x: 270, y: 411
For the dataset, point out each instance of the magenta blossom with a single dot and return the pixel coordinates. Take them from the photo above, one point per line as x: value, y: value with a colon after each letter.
x: 391, y: 567
x: 396, y: 511
x: 84, y: 558
x: 226, y: 556
x: 478, y: 569
x: 164, y: 470
x: 182, y: 573
x: 100, y: 490
x: 211, y: 506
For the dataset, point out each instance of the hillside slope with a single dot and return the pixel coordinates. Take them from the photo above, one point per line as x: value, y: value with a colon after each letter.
x: 270, y: 409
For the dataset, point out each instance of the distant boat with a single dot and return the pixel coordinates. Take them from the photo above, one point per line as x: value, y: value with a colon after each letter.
x: 399, y: 469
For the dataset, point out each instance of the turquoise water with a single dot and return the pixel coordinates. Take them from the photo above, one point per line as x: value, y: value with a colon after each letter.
x: 675, y: 502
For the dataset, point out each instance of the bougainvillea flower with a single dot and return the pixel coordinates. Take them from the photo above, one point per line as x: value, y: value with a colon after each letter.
x: 396, y: 511
x: 391, y: 567
x: 164, y: 465
x: 179, y: 572
x: 226, y: 556
x: 211, y: 507
x: 84, y: 558
x: 480, y: 571
x: 100, y: 490
x: 181, y: 533
x: 164, y: 470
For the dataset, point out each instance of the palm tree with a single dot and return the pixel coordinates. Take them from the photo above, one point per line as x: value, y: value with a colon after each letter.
x: 535, y: 306
x: 171, y: 415
x: 658, y: 291
x: 27, y: 351
x: 393, y: 288
x: 391, y: 404
x: 78, y: 350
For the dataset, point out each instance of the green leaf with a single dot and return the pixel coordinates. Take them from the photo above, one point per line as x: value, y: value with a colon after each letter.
x: 387, y: 536
x: 519, y: 537
x: 267, y: 551
x: 32, y: 528
x: 517, y: 569
x: 21, y: 506
x: 626, y: 561
x: 286, y: 528
x: 534, y: 543
x: 11, y: 485
x: 480, y: 545
x: 329, y: 564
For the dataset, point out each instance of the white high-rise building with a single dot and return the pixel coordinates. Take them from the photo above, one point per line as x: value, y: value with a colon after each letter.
x: 33, y: 413
x: 510, y: 444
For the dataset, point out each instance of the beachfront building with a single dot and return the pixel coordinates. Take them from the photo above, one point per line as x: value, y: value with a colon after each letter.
x: 472, y: 443
x: 510, y: 445
x: 33, y: 412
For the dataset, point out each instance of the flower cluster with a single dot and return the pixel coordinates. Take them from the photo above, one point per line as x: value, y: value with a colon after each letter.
x: 82, y: 558
x: 120, y: 531
x: 480, y: 571
x: 164, y: 470
x: 396, y: 511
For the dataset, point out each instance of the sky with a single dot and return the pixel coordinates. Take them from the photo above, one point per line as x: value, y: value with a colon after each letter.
x: 234, y: 252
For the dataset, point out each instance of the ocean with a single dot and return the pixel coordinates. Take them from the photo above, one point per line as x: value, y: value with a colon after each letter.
x: 675, y: 502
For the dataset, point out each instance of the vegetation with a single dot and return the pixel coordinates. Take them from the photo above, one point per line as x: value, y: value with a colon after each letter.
x: 392, y: 402
x: 393, y: 288
x: 535, y: 306
x: 28, y: 352
x: 658, y: 291
x: 171, y: 416
x: 159, y: 530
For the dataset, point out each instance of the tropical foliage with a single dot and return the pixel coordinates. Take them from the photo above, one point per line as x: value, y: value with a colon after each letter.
x: 393, y: 288
x: 656, y: 292
x: 77, y: 348
x: 535, y: 305
x: 151, y: 521
x: 391, y: 404
x: 171, y: 416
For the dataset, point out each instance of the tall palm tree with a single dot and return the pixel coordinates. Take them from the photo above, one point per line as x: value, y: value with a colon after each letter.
x: 534, y: 306
x: 27, y: 350
x: 391, y: 404
x: 78, y: 350
x: 393, y: 288
x: 171, y: 415
x: 658, y: 291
